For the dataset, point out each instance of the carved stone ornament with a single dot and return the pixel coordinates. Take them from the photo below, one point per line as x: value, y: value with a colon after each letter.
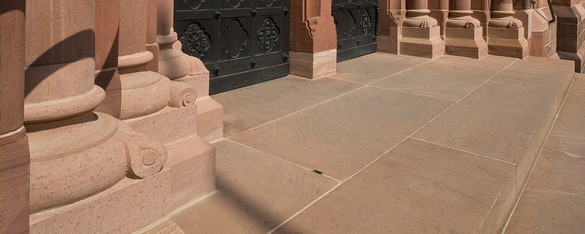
x: 268, y: 35
x: 195, y: 41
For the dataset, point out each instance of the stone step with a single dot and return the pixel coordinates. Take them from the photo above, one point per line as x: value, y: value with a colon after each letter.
x: 389, y: 144
x: 553, y: 200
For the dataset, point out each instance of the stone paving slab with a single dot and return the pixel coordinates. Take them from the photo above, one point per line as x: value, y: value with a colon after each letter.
x: 418, y: 187
x: 343, y: 135
x: 553, y: 200
x: 388, y: 159
x: 254, y: 105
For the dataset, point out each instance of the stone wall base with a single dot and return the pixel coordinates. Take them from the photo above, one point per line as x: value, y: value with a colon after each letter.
x: 422, y: 42
x: 465, y: 42
x: 123, y: 208
x: 507, y: 42
x: 313, y: 65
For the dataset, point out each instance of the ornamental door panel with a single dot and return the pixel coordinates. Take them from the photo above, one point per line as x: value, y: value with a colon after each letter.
x: 241, y: 42
x: 356, y: 22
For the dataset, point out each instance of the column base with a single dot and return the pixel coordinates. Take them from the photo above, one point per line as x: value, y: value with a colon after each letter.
x: 507, y: 42
x: 422, y: 42
x: 465, y: 42
x: 313, y: 65
x: 123, y: 208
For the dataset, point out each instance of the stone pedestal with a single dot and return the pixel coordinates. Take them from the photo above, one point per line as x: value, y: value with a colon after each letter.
x: 422, y: 42
x: 14, y: 166
x: 421, y: 35
x: 507, y: 42
x: 313, y: 50
x: 505, y: 33
x: 467, y: 42
x: 463, y: 34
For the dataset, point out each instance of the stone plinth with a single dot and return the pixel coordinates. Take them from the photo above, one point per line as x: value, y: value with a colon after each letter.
x: 467, y: 42
x: 313, y: 65
x: 127, y: 206
x: 422, y: 42
x: 507, y: 42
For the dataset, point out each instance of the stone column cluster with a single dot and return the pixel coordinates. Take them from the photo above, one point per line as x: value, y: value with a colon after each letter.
x: 129, y: 144
x: 413, y: 30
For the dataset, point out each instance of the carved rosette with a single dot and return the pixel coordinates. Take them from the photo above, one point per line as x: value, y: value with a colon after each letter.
x: 195, y: 41
x: 268, y: 35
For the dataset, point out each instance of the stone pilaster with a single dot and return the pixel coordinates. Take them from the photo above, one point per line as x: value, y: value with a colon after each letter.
x: 420, y: 32
x: 313, y: 52
x: 464, y: 34
x: 14, y: 167
x: 506, y: 33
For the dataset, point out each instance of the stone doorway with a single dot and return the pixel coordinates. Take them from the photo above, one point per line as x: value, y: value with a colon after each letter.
x: 240, y: 42
x: 357, y: 25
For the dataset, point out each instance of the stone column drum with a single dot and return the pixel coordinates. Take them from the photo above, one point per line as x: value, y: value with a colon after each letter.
x: 420, y: 32
x: 85, y: 166
x: 464, y: 34
x: 313, y: 44
x: 505, y: 33
x: 14, y: 167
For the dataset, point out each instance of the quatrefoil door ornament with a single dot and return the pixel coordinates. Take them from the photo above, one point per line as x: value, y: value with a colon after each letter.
x: 234, y: 38
x: 268, y: 35
x: 195, y: 41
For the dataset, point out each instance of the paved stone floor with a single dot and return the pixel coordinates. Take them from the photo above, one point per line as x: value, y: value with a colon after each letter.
x: 399, y: 144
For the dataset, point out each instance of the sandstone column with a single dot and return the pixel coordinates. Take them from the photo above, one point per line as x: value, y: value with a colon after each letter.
x: 106, y: 55
x: 506, y: 34
x: 14, y: 167
x: 313, y: 52
x: 80, y: 159
x: 464, y: 34
x: 420, y: 32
